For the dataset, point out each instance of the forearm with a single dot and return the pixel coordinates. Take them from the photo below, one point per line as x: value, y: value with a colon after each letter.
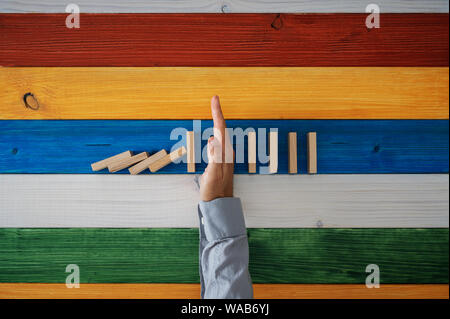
x: 223, y: 252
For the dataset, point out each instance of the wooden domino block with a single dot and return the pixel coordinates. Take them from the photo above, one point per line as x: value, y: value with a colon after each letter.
x: 252, y: 152
x: 273, y: 152
x: 108, y: 161
x: 292, y: 150
x: 312, y: 153
x: 121, y: 164
x: 139, y: 167
x: 190, y: 145
x: 166, y: 160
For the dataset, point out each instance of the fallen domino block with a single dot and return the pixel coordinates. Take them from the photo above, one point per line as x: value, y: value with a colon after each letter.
x: 312, y: 153
x: 108, y: 161
x: 190, y: 144
x: 166, y: 160
x: 292, y: 152
x: 121, y: 164
x: 139, y: 167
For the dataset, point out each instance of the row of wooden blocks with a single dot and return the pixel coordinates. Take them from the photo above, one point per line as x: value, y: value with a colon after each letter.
x: 155, y: 162
x: 292, y: 152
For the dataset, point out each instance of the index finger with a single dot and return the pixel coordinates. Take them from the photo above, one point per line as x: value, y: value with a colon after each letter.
x: 219, y: 121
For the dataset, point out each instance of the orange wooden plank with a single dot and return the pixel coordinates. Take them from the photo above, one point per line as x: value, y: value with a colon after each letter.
x: 192, y: 291
x: 245, y: 93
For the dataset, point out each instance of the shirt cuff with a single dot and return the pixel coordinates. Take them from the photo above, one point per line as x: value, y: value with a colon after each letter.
x: 222, y: 218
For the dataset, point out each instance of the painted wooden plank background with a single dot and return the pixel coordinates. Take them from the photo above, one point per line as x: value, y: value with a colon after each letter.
x: 338, y: 201
x: 328, y: 256
x: 344, y: 146
x: 192, y: 291
x: 224, y: 40
x: 217, y: 6
x: 246, y: 93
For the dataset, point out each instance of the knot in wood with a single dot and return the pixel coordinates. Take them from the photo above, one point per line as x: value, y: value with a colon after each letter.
x: 30, y: 101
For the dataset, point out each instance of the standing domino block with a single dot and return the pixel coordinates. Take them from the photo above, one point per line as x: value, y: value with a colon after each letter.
x: 120, y: 165
x: 252, y: 152
x: 108, y: 161
x: 139, y: 167
x: 312, y: 152
x: 292, y: 150
x: 190, y: 144
x: 273, y: 152
x: 166, y: 160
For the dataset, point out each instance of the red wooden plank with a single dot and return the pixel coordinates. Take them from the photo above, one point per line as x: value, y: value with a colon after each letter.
x: 224, y: 40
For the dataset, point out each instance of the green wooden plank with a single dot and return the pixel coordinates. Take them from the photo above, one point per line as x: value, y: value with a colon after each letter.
x: 276, y: 255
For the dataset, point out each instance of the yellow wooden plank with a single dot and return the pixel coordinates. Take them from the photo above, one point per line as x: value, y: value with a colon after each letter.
x: 246, y: 93
x: 192, y: 291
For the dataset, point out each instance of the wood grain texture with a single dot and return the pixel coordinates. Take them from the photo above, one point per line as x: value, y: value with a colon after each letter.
x: 167, y: 159
x: 127, y: 162
x: 192, y: 291
x: 344, y: 146
x: 312, y: 152
x: 217, y: 6
x: 224, y: 40
x: 141, y: 166
x: 190, y: 148
x: 292, y: 152
x: 342, y: 201
x: 273, y: 152
x: 329, y: 256
x: 246, y: 93
x: 251, y: 152
x: 102, y: 164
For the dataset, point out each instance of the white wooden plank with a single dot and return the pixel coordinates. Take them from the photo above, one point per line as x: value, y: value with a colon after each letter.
x: 268, y: 200
x: 226, y: 6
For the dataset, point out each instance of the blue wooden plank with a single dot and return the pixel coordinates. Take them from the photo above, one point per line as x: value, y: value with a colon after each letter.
x: 344, y: 146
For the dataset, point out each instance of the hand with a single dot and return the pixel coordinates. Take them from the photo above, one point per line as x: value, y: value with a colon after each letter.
x: 217, y: 180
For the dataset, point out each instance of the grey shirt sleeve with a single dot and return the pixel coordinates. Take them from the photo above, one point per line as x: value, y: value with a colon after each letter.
x: 223, y: 250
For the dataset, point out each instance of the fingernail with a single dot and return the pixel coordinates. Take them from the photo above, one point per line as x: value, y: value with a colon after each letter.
x: 215, y: 101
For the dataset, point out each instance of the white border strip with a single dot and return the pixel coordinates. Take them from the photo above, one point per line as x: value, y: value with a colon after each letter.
x: 299, y: 201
